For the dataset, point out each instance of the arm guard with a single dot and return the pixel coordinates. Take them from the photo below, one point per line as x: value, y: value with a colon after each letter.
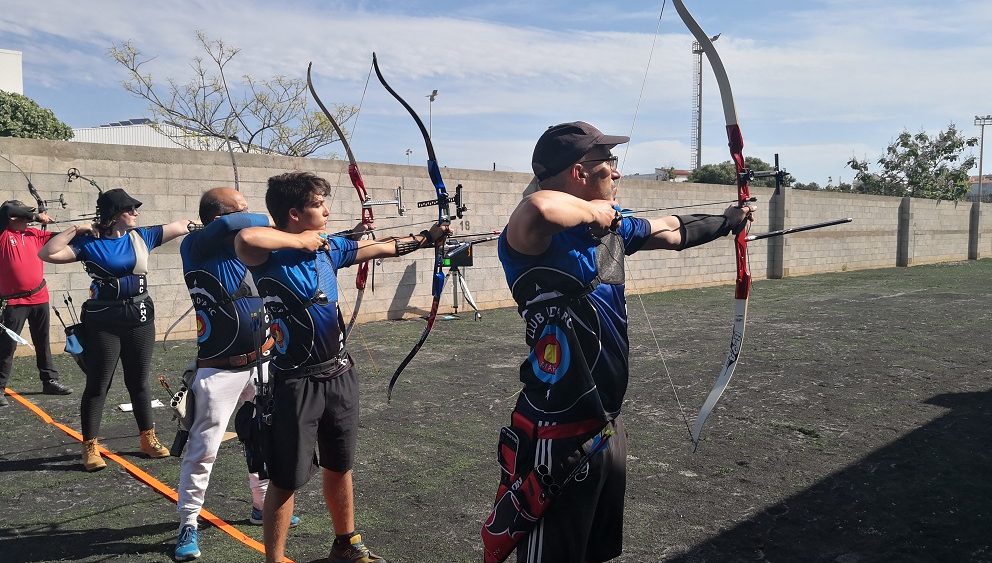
x: 700, y: 229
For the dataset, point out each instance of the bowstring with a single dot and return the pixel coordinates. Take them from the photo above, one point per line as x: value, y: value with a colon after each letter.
x: 644, y: 309
x: 341, y: 296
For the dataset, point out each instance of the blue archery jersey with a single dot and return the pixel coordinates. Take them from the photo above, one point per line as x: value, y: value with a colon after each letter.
x: 111, y: 262
x: 230, y: 319
x: 576, y: 326
x: 300, y: 291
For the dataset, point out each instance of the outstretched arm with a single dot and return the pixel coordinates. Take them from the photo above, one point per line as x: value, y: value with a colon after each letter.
x: 398, y: 246
x: 686, y: 231
x: 175, y: 229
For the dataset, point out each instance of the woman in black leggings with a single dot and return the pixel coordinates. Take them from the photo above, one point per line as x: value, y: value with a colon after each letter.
x: 118, y: 319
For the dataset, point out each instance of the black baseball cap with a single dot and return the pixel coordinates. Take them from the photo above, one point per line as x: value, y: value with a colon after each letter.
x: 16, y: 208
x: 565, y: 144
x: 112, y: 202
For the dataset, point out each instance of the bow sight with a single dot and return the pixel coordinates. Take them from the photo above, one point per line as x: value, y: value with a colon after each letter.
x: 460, y: 208
x: 72, y: 174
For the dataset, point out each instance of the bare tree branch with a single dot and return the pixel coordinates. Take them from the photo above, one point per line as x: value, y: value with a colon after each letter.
x: 208, y: 112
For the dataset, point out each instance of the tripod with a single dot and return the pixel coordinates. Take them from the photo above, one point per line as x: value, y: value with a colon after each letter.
x: 459, y: 255
x: 458, y: 280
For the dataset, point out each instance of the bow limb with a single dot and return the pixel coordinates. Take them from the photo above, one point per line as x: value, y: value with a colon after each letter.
x: 39, y: 201
x: 743, y: 280
x: 443, y: 216
x: 359, y: 184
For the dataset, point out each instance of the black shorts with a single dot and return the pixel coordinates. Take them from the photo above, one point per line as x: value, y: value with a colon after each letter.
x: 585, y: 522
x: 309, y: 412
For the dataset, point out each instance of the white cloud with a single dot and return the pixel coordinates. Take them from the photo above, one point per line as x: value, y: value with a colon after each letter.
x: 815, y: 81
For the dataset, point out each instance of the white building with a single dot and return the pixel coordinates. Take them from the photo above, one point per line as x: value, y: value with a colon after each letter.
x: 11, y: 75
x: 143, y: 132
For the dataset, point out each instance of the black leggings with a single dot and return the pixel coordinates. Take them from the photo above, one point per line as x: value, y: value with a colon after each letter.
x: 105, y: 345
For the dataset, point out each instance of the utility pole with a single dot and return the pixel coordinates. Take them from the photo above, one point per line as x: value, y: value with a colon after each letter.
x: 696, y: 156
x: 982, y: 122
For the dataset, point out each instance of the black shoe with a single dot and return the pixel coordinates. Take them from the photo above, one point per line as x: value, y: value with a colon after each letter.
x: 55, y: 387
x: 3, y: 400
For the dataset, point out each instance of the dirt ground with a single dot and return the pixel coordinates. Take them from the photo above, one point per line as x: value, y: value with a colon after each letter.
x: 857, y: 428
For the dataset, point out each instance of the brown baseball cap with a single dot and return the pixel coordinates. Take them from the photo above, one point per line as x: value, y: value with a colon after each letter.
x: 565, y: 144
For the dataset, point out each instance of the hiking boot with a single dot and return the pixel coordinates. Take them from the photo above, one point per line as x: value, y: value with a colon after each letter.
x: 55, y: 387
x: 91, y: 456
x: 187, y: 547
x: 150, y: 445
x: 256, y: 518
x: 354, y: 552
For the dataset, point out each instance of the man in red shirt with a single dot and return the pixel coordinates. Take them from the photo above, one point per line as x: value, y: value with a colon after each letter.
x: 23, y: 293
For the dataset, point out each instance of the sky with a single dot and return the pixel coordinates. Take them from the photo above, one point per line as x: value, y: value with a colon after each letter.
x: 818, y: 82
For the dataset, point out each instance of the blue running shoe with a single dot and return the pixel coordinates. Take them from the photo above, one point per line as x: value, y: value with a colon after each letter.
x: 187, y: 548
x: 256, y: 518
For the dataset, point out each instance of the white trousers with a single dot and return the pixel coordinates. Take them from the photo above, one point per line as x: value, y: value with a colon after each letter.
x: 217, y: 395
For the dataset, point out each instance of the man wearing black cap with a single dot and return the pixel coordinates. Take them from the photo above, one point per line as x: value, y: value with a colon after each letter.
x: 563, y: 456
x: 23, y: 293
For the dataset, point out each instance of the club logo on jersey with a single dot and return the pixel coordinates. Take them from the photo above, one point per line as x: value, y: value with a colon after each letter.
x: 280, y: 335
x: 550, y: 357
x: 202, y: 327
x: 217, y: 319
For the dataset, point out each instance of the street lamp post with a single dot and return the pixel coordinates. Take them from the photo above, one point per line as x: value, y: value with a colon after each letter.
x: 408, y: 153
x: 430, y: 113
x: 981, y: 121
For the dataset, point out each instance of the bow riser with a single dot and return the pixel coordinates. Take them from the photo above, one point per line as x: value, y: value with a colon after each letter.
x: 367, y: 218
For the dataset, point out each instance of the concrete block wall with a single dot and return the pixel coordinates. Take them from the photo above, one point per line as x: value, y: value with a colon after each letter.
x: 867, y: 242
x: 938, y: 231
x: 170, y: 181
x: 983, y: 230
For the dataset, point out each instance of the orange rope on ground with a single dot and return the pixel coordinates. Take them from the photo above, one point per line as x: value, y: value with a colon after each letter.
x: 142, y: 476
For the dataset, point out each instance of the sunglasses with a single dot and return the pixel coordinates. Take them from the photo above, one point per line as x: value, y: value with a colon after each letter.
x: 612, y: 160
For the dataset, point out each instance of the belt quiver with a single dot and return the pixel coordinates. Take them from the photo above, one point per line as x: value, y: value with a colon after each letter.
x: 253, y: 424
x: 526, y: 491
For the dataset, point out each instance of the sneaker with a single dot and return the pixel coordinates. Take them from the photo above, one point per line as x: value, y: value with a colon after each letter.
x: 256, y: 518
x: 187, y: 548
x: 3, y: 400
x: 55, y: 387
x: 354, y: 552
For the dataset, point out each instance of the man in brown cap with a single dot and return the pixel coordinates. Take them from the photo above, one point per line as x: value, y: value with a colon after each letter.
x: 23, y: 293
x: 563, y: 456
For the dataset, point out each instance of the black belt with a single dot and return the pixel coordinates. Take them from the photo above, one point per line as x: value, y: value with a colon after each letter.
x: 325, y: 370
x: 122, y: 301
x: 28, y: 293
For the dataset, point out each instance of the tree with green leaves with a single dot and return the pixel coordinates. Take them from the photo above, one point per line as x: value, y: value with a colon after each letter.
x: 266, y: 116
x: 20, y: 116
x: 726, y: 173
x: 920, y: 166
